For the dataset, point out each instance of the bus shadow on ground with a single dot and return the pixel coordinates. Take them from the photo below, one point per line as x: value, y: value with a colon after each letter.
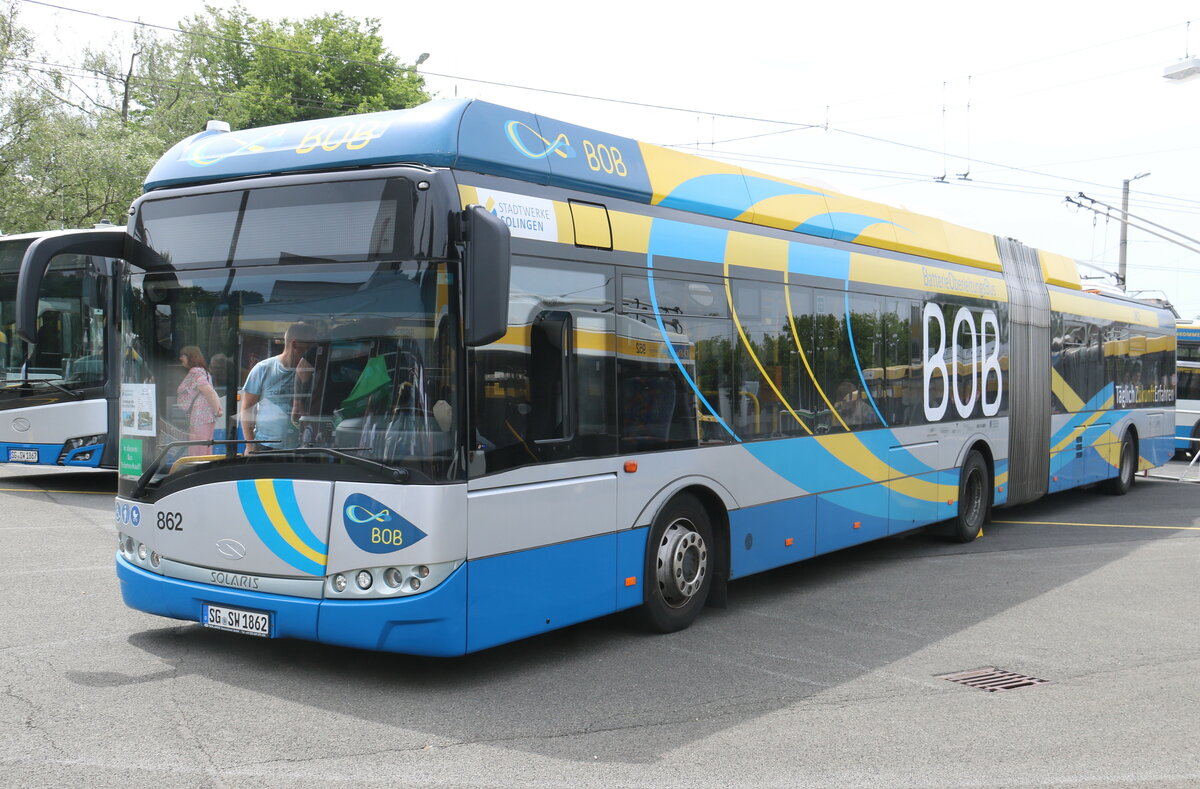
x: 97, y: 481
x: 602, y: 691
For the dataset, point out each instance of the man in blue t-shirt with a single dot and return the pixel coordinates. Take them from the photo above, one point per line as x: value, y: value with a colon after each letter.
x: 274, y: 396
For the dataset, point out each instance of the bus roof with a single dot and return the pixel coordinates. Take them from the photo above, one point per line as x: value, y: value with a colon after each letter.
x: 494, y: 140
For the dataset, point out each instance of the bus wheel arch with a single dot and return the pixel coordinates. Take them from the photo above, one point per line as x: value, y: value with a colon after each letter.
x: 685, y: 558
x: 1127, y: 463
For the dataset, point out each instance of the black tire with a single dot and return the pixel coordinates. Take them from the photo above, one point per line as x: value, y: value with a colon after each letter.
x: 680, y: 561
x: 1126, y: 468
x: 974, y: 498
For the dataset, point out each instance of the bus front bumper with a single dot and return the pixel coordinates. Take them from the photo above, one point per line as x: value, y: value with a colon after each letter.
x: 430, y: 623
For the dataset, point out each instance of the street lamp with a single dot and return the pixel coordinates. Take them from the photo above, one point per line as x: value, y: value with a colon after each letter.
x: 1125, y: 227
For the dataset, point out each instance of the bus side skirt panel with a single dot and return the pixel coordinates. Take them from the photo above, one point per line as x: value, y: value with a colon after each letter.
x: 771, y: 535
x: 631, y: 564
x: 852, y: 516
x: 528, y: 592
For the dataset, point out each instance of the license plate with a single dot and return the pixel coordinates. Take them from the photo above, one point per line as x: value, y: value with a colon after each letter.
x: 23, y: 455
x: 252, y: 623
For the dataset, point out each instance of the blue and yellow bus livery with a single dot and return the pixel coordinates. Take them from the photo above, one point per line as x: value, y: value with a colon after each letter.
x: 560, y: 374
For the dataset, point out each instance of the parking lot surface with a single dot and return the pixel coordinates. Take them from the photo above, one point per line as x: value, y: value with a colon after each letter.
x: 823, y: 674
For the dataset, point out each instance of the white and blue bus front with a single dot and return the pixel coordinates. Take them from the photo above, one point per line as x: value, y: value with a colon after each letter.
x: 340, y: 516
x: 56, y: 401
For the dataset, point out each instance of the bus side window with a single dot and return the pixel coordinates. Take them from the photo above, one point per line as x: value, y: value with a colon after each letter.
x: 676, y: 364
x: 552, y: 368
x: 544, y: 391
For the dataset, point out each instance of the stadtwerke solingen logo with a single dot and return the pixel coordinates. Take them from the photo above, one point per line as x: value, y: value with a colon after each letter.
x: 527, y: 140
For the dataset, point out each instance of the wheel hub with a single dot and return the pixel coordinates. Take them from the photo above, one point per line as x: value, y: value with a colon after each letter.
x: 682, y: 563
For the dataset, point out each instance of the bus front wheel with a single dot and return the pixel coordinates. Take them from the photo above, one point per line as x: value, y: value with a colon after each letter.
x: 974, y: 498
x: 679, y: 566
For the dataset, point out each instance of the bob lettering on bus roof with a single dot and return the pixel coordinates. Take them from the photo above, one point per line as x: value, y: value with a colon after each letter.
x: 490, y: 139
x: 467, y: 134
x: 427, y: 134
x: 502, y: 141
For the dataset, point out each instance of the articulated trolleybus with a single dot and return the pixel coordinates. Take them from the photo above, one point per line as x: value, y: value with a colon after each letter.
x: 498, y: 374
x: 58, y: 401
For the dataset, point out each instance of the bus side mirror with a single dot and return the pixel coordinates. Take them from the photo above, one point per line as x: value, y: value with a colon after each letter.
x: 487, y: 262
x: 106, y: 243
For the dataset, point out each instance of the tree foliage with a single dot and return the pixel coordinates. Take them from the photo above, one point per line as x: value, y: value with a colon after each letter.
x: 76, y: 141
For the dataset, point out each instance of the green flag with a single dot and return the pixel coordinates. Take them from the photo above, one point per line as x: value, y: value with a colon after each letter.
x: 373, y: 378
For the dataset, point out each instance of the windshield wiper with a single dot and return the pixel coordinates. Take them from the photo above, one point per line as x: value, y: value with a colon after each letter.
x: 165, y: 450
x: 46, y: 382
x: 393, y: 473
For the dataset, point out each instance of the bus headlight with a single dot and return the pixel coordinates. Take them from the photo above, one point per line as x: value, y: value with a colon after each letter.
x: 143, y: 551
x: 72, y: 444
x: 397, y: 580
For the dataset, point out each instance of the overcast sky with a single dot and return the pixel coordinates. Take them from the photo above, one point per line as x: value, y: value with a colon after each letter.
x: 1032, y: 101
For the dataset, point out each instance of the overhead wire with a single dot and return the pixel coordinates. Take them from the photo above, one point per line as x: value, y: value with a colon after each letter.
x: 197, y: 87
x: 793, y: 125
x: 1137, y: 225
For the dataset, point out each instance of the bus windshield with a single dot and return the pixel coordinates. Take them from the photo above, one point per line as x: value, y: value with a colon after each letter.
x: 332, y: 354
x: 71, y: 315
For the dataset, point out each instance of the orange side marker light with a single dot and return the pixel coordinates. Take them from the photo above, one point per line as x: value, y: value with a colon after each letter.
x: 858, y: 524
x: 630, y: 466
x: 631, y: 580
x: 788, y: 542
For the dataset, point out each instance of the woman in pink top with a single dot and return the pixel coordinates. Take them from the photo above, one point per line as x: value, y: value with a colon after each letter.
x: 198, y: 399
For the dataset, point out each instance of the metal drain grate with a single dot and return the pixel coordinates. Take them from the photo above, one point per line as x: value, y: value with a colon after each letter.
x: 992, y: 679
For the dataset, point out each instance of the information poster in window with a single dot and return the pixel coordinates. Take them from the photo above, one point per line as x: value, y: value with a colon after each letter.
x: 138, y: 416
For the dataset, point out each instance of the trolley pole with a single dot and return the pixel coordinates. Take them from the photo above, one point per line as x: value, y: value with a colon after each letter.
x: 1125, y: 227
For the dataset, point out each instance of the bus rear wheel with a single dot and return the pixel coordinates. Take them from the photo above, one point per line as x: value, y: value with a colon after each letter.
x: 1126, y: 468
x: 679, y: 566
x: 974, y: 498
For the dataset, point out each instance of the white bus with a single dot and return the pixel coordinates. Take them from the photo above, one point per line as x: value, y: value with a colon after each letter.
x: 58, y: 401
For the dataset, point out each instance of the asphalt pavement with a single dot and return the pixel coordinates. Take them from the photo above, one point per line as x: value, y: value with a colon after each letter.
x: 823, y: 674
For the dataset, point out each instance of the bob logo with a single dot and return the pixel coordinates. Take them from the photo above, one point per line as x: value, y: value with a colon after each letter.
x: 375, y: 527
x: 533, y: 145
x: 960, y: 366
